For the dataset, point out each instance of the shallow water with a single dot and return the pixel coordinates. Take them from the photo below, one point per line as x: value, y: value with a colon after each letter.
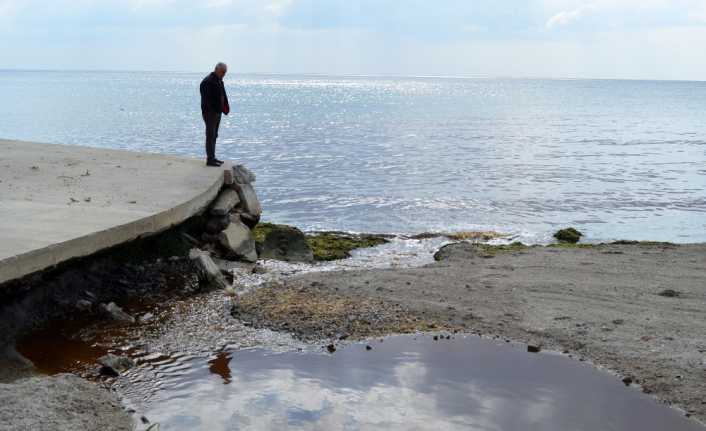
x: 403, y: 383
x: 618, y: 159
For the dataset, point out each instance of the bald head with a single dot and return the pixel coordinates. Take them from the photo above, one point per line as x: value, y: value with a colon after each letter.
x: 221, y: 69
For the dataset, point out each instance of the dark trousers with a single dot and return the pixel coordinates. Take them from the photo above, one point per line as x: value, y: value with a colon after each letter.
x: 212, y: 121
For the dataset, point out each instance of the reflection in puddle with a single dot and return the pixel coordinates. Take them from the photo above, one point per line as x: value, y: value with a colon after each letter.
x: 402, y: 383
x: 219, y: 366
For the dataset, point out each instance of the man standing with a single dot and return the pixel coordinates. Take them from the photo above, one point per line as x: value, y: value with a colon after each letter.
x: 214, y: 102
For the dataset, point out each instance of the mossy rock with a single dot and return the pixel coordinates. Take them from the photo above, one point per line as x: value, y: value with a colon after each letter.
x: 261, y: 231
x: 335, y: 245
x: 475, y: 235
x: 286, y: 243
x: 568, y: 235
x: 326, y: 246
x: 467, y: 250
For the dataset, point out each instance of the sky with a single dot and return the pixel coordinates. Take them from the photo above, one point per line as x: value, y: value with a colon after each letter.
x: 627, y: 39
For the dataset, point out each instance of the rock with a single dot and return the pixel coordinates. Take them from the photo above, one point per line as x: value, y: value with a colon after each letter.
x: 209, y: 238
x: 108, y: 371
x: 259, y: 269
x: 242, y: 175
x: 119, y: 364
x: 225, y: 202
x: 248, y: 199
x: 669, y: 293
x: 248, y: 219
x: 84, y: 305
x: 228, y: 177
x: 117, y: 313
x: 190, y: 239
x: 209, y: 272
x: 339, y: 245
x: 627, y: 381
x: 368, y: 347
x: 569, y: 235
x: 286, y: 243
x: 457, y: 251
x: 147, y: 317
x: 533, y: 348
x: 217, y: 224
x: 239, y: 242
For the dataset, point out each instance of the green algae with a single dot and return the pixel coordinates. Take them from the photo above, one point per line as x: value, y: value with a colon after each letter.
x: 261, y: 230
x: 568, y: 235
x: 493, y: 249
x: 327, y: 246
x: 336, y: 245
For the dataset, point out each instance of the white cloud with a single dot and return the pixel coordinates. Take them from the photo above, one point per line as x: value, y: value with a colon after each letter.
x: 278, y: 7
x: 571, y: 11
x: 567, y: 17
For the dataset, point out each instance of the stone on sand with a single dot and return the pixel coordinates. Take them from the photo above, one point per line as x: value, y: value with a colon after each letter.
x: 225, y: 202
x: 217, y: 224
x: 238, y: 241
x: 119, y: 364
x: 248, y: 199
x: 208, y: 271
x: 287, y: 243
x: 243, y: 175
x: 117, y: 313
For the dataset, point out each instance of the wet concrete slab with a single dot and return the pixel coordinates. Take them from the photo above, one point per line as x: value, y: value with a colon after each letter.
x: 60, y: 202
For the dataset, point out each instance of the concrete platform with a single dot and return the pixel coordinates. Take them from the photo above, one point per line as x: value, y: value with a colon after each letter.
x: 60, y: 202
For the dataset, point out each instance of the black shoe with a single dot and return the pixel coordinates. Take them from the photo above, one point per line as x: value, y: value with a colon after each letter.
x: 220, y: 162
x: 213, y: 163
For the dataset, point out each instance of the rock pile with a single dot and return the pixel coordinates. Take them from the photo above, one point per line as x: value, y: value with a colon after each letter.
x: 228, y: 223
x: 236, y: 210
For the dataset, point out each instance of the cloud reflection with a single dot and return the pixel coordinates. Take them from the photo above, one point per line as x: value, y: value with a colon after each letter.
x: 405, y: 384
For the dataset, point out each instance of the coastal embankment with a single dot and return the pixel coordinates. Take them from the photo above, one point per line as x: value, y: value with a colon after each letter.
x: 60, y: 202
x: 83, y: 228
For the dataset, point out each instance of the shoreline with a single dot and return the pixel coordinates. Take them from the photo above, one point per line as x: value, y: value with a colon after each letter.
x: 524, y: 294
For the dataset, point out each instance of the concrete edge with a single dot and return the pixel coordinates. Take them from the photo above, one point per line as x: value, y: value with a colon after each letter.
x: 21, y: 265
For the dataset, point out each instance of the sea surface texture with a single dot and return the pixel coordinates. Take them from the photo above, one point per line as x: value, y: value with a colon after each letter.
x: 616, y: 159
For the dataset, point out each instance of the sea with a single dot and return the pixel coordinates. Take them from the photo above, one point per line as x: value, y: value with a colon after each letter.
x: 617, y: 159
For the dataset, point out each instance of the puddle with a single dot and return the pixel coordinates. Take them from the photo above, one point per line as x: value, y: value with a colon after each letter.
x: 405, y: 382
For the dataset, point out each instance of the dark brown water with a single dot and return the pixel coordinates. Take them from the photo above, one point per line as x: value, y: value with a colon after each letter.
x: 402, y: 383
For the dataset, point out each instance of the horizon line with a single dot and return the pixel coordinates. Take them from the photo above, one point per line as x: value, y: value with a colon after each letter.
x: 355, y: 75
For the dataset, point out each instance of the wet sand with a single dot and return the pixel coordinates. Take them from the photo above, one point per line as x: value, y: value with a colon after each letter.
x: 605, y: 304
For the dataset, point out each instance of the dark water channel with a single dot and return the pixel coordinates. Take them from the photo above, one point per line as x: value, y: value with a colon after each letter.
x: 402, y: 383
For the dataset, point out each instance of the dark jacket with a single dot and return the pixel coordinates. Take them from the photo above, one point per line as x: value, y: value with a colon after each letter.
x: 213, y: 95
